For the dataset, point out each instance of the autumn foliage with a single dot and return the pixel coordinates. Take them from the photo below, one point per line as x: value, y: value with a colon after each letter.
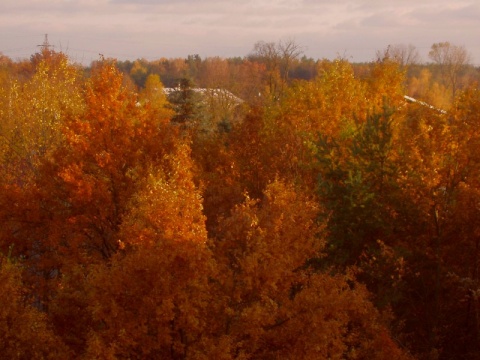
x: 325, y: 218
x: 25, y: 331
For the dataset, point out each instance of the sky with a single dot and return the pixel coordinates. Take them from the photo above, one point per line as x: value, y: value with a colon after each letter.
x: 152, y: 29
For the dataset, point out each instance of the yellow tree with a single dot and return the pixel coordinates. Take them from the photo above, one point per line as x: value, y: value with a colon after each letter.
x: 32, y: 114
x: 386, y: 81
x: 153, y: 96
x: 281, y: 140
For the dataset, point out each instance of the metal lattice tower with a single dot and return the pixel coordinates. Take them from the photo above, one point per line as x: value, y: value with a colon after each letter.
x: 46, y: 45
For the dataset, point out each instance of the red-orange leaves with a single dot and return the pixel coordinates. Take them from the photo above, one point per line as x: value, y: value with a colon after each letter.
x: 24, y: 331
x: 152, y: 299
x: 109, y: 147
x: 152, y: 303
x: 272, y: 305
x: 260, y: 250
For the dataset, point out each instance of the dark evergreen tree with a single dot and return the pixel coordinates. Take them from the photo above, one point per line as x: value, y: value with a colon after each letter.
x: 187, y: 103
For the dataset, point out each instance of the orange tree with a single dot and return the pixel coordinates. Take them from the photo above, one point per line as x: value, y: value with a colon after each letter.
x: 150, y: 300
x: 271, y: 303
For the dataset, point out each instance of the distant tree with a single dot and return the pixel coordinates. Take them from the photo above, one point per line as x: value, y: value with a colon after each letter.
x: 5, y: 60
x: 289, y: 52
x: 404, y: 55
x: 215, y: 73
x: 194, y: 63
x: 139, y: 72
x: 451, y: 60
x: 278, y: 58
x: 305, y: 69
x: 153, y: 96
x: 423, y: 87
x: 171, y: 70
x: 268, y: 54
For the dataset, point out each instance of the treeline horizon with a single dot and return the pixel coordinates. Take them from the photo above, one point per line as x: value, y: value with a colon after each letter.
x: 299, y: 218
x: 288, y: 57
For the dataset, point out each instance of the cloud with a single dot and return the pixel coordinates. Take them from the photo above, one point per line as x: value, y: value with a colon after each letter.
x: 462, y: 15
x: 155, y: 28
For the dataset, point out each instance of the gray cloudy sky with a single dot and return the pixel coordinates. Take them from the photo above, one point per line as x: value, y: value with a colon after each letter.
x: 130, y: 29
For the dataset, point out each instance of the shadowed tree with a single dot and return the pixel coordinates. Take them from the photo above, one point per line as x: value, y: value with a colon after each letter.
x: 25, y: 331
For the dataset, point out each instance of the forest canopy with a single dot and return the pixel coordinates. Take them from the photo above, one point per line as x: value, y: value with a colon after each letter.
x: 271, y: 206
